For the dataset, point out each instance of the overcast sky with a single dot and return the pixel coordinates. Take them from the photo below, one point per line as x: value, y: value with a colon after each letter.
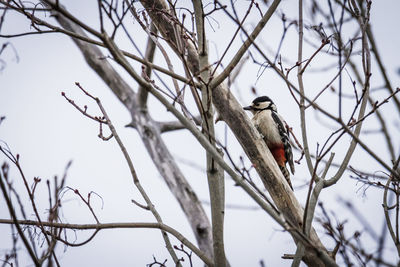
x: 47, y: 133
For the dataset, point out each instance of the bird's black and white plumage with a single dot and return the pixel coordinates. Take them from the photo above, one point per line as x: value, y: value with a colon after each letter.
x: 274, y: 131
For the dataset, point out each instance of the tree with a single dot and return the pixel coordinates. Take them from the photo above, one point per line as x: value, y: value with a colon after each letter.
x: 334, y: 43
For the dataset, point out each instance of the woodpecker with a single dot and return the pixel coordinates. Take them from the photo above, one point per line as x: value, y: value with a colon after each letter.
x: 273, y: 129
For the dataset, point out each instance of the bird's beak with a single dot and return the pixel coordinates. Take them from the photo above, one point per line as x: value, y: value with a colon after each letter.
x: 247, y: 108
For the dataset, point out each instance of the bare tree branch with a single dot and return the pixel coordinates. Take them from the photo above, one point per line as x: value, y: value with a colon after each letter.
x: 243, y: 49
x: 103, y: 226
x: 151, y: 136
x: 215, y: 174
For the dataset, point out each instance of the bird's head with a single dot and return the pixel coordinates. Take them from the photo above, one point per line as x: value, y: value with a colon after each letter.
x: 261, y: 103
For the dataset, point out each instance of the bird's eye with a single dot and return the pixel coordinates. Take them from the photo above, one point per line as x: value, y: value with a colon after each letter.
x: 257, y: 104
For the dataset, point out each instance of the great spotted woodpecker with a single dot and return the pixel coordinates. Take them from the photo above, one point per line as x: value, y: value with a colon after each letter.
x: 272, y: 127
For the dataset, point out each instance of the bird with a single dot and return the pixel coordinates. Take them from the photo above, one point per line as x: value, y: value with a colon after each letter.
x: 273, y: 130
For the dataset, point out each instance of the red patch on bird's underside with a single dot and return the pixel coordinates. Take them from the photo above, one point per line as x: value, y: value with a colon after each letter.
x: 279, y: 154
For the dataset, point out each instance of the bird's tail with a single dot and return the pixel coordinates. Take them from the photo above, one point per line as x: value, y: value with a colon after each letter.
x: 285, y: 173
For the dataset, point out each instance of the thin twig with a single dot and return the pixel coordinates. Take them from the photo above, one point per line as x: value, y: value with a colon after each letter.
x: 15, y: 221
